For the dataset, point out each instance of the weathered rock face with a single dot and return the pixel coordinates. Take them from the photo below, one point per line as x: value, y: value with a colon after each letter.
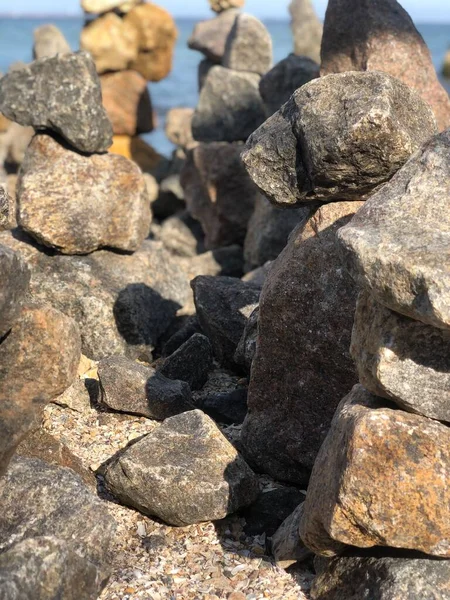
x: 338, y: 138
x: 224, y: 305
x: 278, y: 85
x: 48, y: 41
x: 179, y: 126
x: 15, y: 278
x: 219, y: 6
x: 393, y: 577
x: 398, y: 244
x: 101, y: 6
x: 157, y: 35
x: 380, y: 479
x: 218, y: 192
x: 54, y: 534
x: 184, y: 472
x: 61, y: 93
x: 230, y: 106
x: 366, y: 36
x: 209, y: 37
x: 302, y: 365
x: 127, y: 102
x: 78, y: 203
x: 248, y: 46
x: 133, y: 388
x: 307, y: 29
x: 402, y: 360
x: 112, y: 42
x: 191, y: 362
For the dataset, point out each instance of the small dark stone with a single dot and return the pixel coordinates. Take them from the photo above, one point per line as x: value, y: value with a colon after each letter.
x: 191, y: 362
x: 226, y: 407
x: 190, y: 327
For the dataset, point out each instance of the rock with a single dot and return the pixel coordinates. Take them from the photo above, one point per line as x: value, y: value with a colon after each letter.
x: 190, y: 327
x: 16, y: 141
x: 152, y: 187
x: 135, y: 389
x: 230, y: 107
x: 178, y: 126
x: 209, y: 37
x: 102, y: 6
x: 258, y: 276
x: 220, y: 6
x: 398, y: 247
x: 48, y: 41
x: 218, y: 192
x: 15, y: 278
x: 287, y: 546
x: 227, y: 261
x: 184, y: 472
x: 190, y: 363
x: 446, y: 67
x: 246, y: 349
x: 115, y: 213
x: 170, y: 198
x: 79, y: 395
x: 122, y: 303
x: 270, y: 510
x: 360, y: 36
x: 134, y: 148
x: 278, y: 85
x: 157, y: 35
x: 182, y: 235
x: 306, y: 28
x: 224, y: 305
x: 338, y: 138
x: 204, y: 67
x: 380, y: 479
x: 268, y: 232
x: 127, y: 102
x: 248, y: 46
x: 396, y: 577
x: 61, y: 93
x: 302, y: 358
x: 71, y: 561
x: 228, y: 407
x: 403, y: 360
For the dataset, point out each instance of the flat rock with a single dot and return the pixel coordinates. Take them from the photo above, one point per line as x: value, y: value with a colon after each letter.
x: 230, y: 106
x: 218, y: 192
x: 338, y: 138
x: 306, y: 28
x: 220, y: 6
x: 209, y: 37
x: 102, y: 6
x: 302, y: 365
x: 248, y: 46
x: 94, y: 201
x: 287, y: 546
x: 191, y: 362
x: 61, y: 93
x: 48, y: 41
x: 398, y: 244
x: 178, y: 127
x: 360, y: 35
x: 380, y: 479
x: 15, y: 278
x: 184, y: 472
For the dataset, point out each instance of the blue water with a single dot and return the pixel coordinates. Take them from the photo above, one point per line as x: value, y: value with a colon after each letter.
x: 180, y: 88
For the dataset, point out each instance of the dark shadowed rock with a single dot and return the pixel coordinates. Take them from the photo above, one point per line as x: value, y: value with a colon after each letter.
x: 270, y: 510
x: 230, y: 106
x: 360, y: 35
x: 48, y: 41
x: 15, y: 278
x: 302, y: 365
x: 133, y: 388
x: 287, y: 546
x: 225, y: 407
x: 307, y: 29
x: 191, y: 362
x: 338, y: 138
x: 248, y: 46
x: 63, y: 94
x: 184, y: 472
x: 209, y: 37
x: 246, y: 349
x: 189, y: 328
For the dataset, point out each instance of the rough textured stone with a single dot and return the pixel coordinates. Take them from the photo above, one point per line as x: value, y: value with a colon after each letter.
x: 190, y: 327
x: 184, y: 472
x: 48, y: 41
x: 287, y: 546
x: 278, y: 85
x: 61, y: 93
x: 307, y: 29
x: 179, y: 126
x: 396, y: 577
x: 191, y: 362
x: 220, y: 6
x: 380, y: 479
x: 401, y: 359
x: 230, y: 106
x: 133, y: 388
x: 270, y: 510
x: 302, y: 366
x: 398, y: 244
x: 77, y: 203
x: 246, y: 349
x: 15, y: 278
x: 248, y: 46
x: 209, y: 37
x: 338, y: 138
x: 218, y: 192
x: 360, y: 35
x: 224, y: 305
x: 71, y: 561
x: 102, y: 6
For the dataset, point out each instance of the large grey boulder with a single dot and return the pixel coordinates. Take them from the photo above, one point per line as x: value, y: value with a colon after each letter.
x: 306, y: 28
x: 48, y: 41
x: 209, y: 37
x: 184, y: 472
x: 248, y: 46
x: 338, y: 138
x: 61, y: 93
x: 15, y: 278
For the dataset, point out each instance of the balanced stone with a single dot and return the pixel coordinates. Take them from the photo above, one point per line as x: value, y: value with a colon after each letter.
x: 178, y: 127
x: 209, y: 37
x: 248, y: 46
x: 15, y: 278
x: 307, y: 29
x: 61, y: 93
x: 48, y: 41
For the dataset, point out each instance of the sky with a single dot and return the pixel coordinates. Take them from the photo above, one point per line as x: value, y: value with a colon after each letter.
x: 421, y: 11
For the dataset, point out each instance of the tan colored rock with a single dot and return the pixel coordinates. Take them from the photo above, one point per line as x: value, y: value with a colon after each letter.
x: 362, y: 35
x: 102, y: 6
x: 219, y: 6
x: 112, y: 42
x: 48, y: 41
x: 380, y: 479
x: 179, y: 126
x: 77, y: 203
x: 127, y: 102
